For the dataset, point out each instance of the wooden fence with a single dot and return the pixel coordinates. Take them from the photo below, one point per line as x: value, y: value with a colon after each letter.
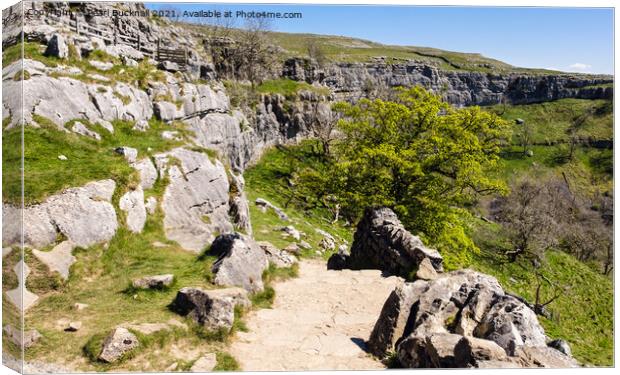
x: 152, y: 50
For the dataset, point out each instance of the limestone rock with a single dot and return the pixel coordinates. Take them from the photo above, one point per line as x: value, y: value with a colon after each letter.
x: 132, y: 202
x: 153, y: 282
x: 141, y: 126
x: 470, y: 350
x: 390, y: 327
x: 101, y: 65
x: 59, y: 259
x: 147, y: 171
x: 265, y: 205
x: 57, y: 47
x: 80, y: 306
x: 544, y: 356
x: 129, y: 153
x: 81, y: 129
x: 426, y: 271
x: 240, y: 262
x: 118, y: 343
x: 195, y: 202
x: 239, y: 208
x: 214, y: 309
x: 206, y: 363
x: 276, y: 256
x: 291, y: 231
x: 382, y: 242
x: 561, y: 345
x: 73, y: 326
x: 21, y: 297
x: 22, y: 339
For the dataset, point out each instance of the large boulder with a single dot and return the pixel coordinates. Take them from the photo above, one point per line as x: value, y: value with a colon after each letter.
x: 461, y: 319
x: 213, y: 309
x: 381, y: 242
x: 84, y: 215
x: 240, y: 262
x: 196, y: 200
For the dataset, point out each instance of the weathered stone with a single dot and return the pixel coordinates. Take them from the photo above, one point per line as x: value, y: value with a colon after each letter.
x: 511, y: 324
x: 21, y: 297
x: 265, y: 205
x: 239, y: 207
x: 147, y: 171
x: 101, y: 65
x: 391, y: 324
x: 292, y: 248
x: 62, y: 157
x: 169, y: 66
x: 426, y: 271
x: 440, y: 349
x: 80, y: 306
x: 206, y: 363
x: 22, y: 339
x: 291, y: 231
x: 240, y: 262
x: 153, y: 282
x: 214, y: 309
x: 561, y: 345
x: 57, y: 47
x: 59, y: 259
x: 107, y: 125
x: 195, y: 202
x: 544, y: 356
x: 132, y: 203
x: 141, y: 126
x: 382, y: 242
x: 73, y: 326
x: 276, y: 256
x: 129, y: 153
x: 470, y: 350
x: 118, y: 343
x: 81, y: 129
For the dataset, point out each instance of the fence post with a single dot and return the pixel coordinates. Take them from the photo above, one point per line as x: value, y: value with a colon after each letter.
x: 157, y: 54
x: 138, y: 41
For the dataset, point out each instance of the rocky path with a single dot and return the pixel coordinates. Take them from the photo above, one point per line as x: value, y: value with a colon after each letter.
x: 319, y: 321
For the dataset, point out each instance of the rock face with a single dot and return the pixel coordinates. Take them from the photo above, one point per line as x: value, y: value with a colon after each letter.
x: 461, y: 319
x: 381, y: 242
x: 118, y: 343
x: 240, y: 262
x: 84, y: 215
x: 57, y: 47
x: 196, y: 201
x: 350, y: 81
x: 214, y: 309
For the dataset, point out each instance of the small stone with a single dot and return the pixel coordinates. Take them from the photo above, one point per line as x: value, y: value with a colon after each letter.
x: 22, y: 339
x: 80, y: 306
x: 141, y: 126
x: 426, y: 270
x: 292, y: 248
x: 304, y: 245
x: 206, y: 363
x: 62, y: 157
x: 119, y: 342
x: 561, y: 345
x: 529, y: 153
x: 291, y: 231
x: 101, y: 65
x: 151, y: 205
x: 153, y: 282
x: 73, y: 326
x: 172, y: 367
x: 130, y: 153
x: 81, y: 129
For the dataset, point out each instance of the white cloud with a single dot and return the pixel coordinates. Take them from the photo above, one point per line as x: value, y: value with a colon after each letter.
x: 580, y: 67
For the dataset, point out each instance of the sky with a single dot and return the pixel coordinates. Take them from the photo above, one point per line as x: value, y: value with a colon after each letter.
x: 566, y: 39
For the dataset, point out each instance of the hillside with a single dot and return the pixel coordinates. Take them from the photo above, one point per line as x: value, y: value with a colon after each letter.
x: 183, y: 194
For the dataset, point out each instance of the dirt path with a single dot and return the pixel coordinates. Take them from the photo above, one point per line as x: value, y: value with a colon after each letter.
x: 318, y: 322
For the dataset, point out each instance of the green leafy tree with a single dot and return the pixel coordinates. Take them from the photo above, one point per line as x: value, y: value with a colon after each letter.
x: 416, y: 155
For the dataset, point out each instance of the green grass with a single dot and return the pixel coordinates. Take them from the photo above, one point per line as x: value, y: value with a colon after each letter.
x: 289, y: 88
x: 87, y: 159
x: 548, y: 122
x: 226, y: 362
x: 269, y: 180
x: 582, y: 315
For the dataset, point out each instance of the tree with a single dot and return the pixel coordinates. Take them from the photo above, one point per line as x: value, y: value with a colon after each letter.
x: 315, y: 51
x: 578, y: 121
x: 416, y: 155
x: 530, y: 214
x: 254, y: 51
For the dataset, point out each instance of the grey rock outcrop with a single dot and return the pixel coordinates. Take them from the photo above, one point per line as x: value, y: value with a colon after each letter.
x: 240, y: 262
x: 206, y: 363
x: 22, y: 339
x: 350, y: 81
x: 118, y: 343
x: 147, y: 171
x: 60, y: 259
x: 214, y: 309
x: 265, y: 205
x: 239, y: 207
x: 84, y: 215
x: 129, y: 153
x: 461, y: 319
x: 381, y: 242
x: 276, y: 256
x: 196, y: 201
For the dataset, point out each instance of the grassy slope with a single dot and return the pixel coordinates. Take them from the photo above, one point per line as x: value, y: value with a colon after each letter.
x: 583, y: 315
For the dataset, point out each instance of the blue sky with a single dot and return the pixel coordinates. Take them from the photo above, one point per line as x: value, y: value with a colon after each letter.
x: 567, y: 39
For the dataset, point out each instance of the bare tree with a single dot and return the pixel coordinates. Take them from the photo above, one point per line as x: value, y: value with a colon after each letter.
x: 254, y: 49
x: 578, y: 121
x: 315, y: 51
